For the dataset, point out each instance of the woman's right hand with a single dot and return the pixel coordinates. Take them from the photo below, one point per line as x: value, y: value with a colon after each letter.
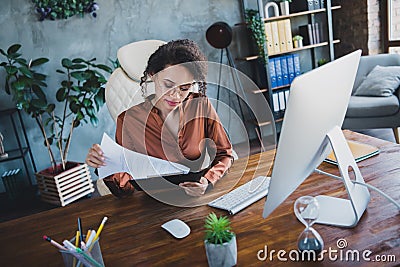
x: 95, y: 157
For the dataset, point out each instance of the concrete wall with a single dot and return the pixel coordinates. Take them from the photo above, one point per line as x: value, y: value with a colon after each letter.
x: 119, y: 22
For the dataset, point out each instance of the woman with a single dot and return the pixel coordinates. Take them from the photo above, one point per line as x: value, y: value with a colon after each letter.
x: 176, y: 123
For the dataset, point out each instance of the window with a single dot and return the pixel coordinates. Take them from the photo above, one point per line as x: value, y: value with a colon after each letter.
x: 391, y: 19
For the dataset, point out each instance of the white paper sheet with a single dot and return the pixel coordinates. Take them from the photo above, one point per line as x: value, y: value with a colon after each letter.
x: 139, y: 166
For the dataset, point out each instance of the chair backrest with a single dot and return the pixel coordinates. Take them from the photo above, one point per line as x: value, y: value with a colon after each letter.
x: 367, y: 63
x: 123, y: 87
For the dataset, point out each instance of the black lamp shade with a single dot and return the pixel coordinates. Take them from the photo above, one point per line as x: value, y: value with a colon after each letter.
x: 219, y: 35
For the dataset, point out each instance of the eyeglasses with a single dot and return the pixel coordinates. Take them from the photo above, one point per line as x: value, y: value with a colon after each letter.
x: 171, y: 88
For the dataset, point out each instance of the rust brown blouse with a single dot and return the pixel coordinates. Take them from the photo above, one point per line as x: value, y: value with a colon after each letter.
x: 141, y: 129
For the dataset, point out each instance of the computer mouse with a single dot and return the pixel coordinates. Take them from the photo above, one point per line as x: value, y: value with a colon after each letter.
x: 177, y: 228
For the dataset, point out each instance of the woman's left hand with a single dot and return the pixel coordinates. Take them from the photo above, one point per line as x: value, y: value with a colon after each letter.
x: 195, y: 189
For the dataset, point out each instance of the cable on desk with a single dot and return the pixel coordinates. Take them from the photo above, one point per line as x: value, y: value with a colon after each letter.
x: 364, y: 184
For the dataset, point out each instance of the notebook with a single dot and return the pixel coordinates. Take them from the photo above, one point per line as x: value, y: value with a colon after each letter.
x: 360, y: 152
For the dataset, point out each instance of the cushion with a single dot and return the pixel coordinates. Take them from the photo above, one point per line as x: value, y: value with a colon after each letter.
x: 381, y: 81
x: 366, y: 106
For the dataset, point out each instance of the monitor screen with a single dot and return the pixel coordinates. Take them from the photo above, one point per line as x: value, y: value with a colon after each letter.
x: 318, y: 102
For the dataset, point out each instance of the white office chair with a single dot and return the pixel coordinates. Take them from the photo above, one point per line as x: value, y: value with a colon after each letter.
x: 123, y: 87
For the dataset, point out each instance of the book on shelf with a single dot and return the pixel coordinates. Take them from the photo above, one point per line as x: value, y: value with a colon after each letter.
x: 275, y: 101
x: 311, y: 33
x: 282, y: 36
x: 296, y: 63
x: 360, y: 152
x: 272, y: 73
x: 290, y: 64
x: 316, y: 4
x: 269, y: 38
x: 280, y: 99
x: 306, y: 5
x: 275, y: 36
x: 317, y: 30
x: 284, y: 69
x: 278, y: 72
x: 288, y: 33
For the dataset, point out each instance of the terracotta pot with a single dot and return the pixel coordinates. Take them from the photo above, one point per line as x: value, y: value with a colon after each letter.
x: 63, y: 187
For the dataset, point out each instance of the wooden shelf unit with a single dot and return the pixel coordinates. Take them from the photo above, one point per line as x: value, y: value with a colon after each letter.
x: 251, y: 58
x: 312, y: 17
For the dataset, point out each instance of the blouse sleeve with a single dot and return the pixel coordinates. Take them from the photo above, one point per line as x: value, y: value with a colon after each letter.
x: 223, y: 157
x: 118, y: 183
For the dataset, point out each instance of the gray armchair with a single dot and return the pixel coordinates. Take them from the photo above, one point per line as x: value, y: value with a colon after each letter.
x: 365, y: 112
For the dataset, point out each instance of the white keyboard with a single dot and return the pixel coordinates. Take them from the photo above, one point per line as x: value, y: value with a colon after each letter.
x: 243, y: 196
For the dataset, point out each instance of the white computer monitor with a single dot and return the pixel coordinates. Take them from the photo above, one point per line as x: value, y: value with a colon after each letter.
x: 315, y: 112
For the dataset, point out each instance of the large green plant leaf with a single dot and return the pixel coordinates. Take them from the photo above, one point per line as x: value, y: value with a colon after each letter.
x: 38, y: 92
x: 61, y: 94
x: 86, y: 102
x: 26, y: 71
x: 78, y: 66
x: 11, y: 70
x: 7, y: 86
x: 79, y: 75
x: 74, y: 107
x: 39, y: 103
x: 99, y: 99
x: 104, y: 67
x: 78, y: 60
x: 50, y: 108
x: 94, y: 121
x: 39, y: 61
x: 13, y: 49
x: 18, y: 85
x: 66, y: 63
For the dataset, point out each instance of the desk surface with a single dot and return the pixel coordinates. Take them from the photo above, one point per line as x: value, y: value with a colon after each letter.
x: 133, y: 236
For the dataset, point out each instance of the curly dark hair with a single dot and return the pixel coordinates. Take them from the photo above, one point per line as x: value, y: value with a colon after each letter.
x: 178, y: 52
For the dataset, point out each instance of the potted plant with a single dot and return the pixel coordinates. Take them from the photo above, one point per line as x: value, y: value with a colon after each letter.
x: 256, y: 26
x: 298, y: 41
x: 284, y: 4
x: 322, y: 61
x: 81, y: 95
x: 220, y: 241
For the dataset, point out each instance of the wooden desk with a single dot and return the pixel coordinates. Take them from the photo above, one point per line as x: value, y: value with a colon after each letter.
x: 133, y: 236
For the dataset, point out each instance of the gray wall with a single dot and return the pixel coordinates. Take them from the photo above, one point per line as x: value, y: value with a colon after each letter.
x: 119, y: 22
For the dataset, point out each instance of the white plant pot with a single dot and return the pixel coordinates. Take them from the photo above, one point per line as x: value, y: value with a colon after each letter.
x: 284, y: 8
x: 224, y: 255
x: 298, y: 43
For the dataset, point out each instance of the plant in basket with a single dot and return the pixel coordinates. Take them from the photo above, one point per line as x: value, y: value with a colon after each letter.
x: 81, y: 94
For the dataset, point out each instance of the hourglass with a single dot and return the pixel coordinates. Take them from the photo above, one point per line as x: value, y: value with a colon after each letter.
x: 306, y: 209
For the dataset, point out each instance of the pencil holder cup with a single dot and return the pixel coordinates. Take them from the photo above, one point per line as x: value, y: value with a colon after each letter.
x: 76, y: 259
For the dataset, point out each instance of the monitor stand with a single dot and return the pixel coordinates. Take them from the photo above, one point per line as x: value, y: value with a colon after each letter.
x: 338, y: 211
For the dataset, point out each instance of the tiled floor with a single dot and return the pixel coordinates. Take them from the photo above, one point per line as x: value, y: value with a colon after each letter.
x: 30, y: 203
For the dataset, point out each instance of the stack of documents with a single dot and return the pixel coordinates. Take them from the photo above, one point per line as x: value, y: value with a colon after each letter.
x: 139, y: 166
